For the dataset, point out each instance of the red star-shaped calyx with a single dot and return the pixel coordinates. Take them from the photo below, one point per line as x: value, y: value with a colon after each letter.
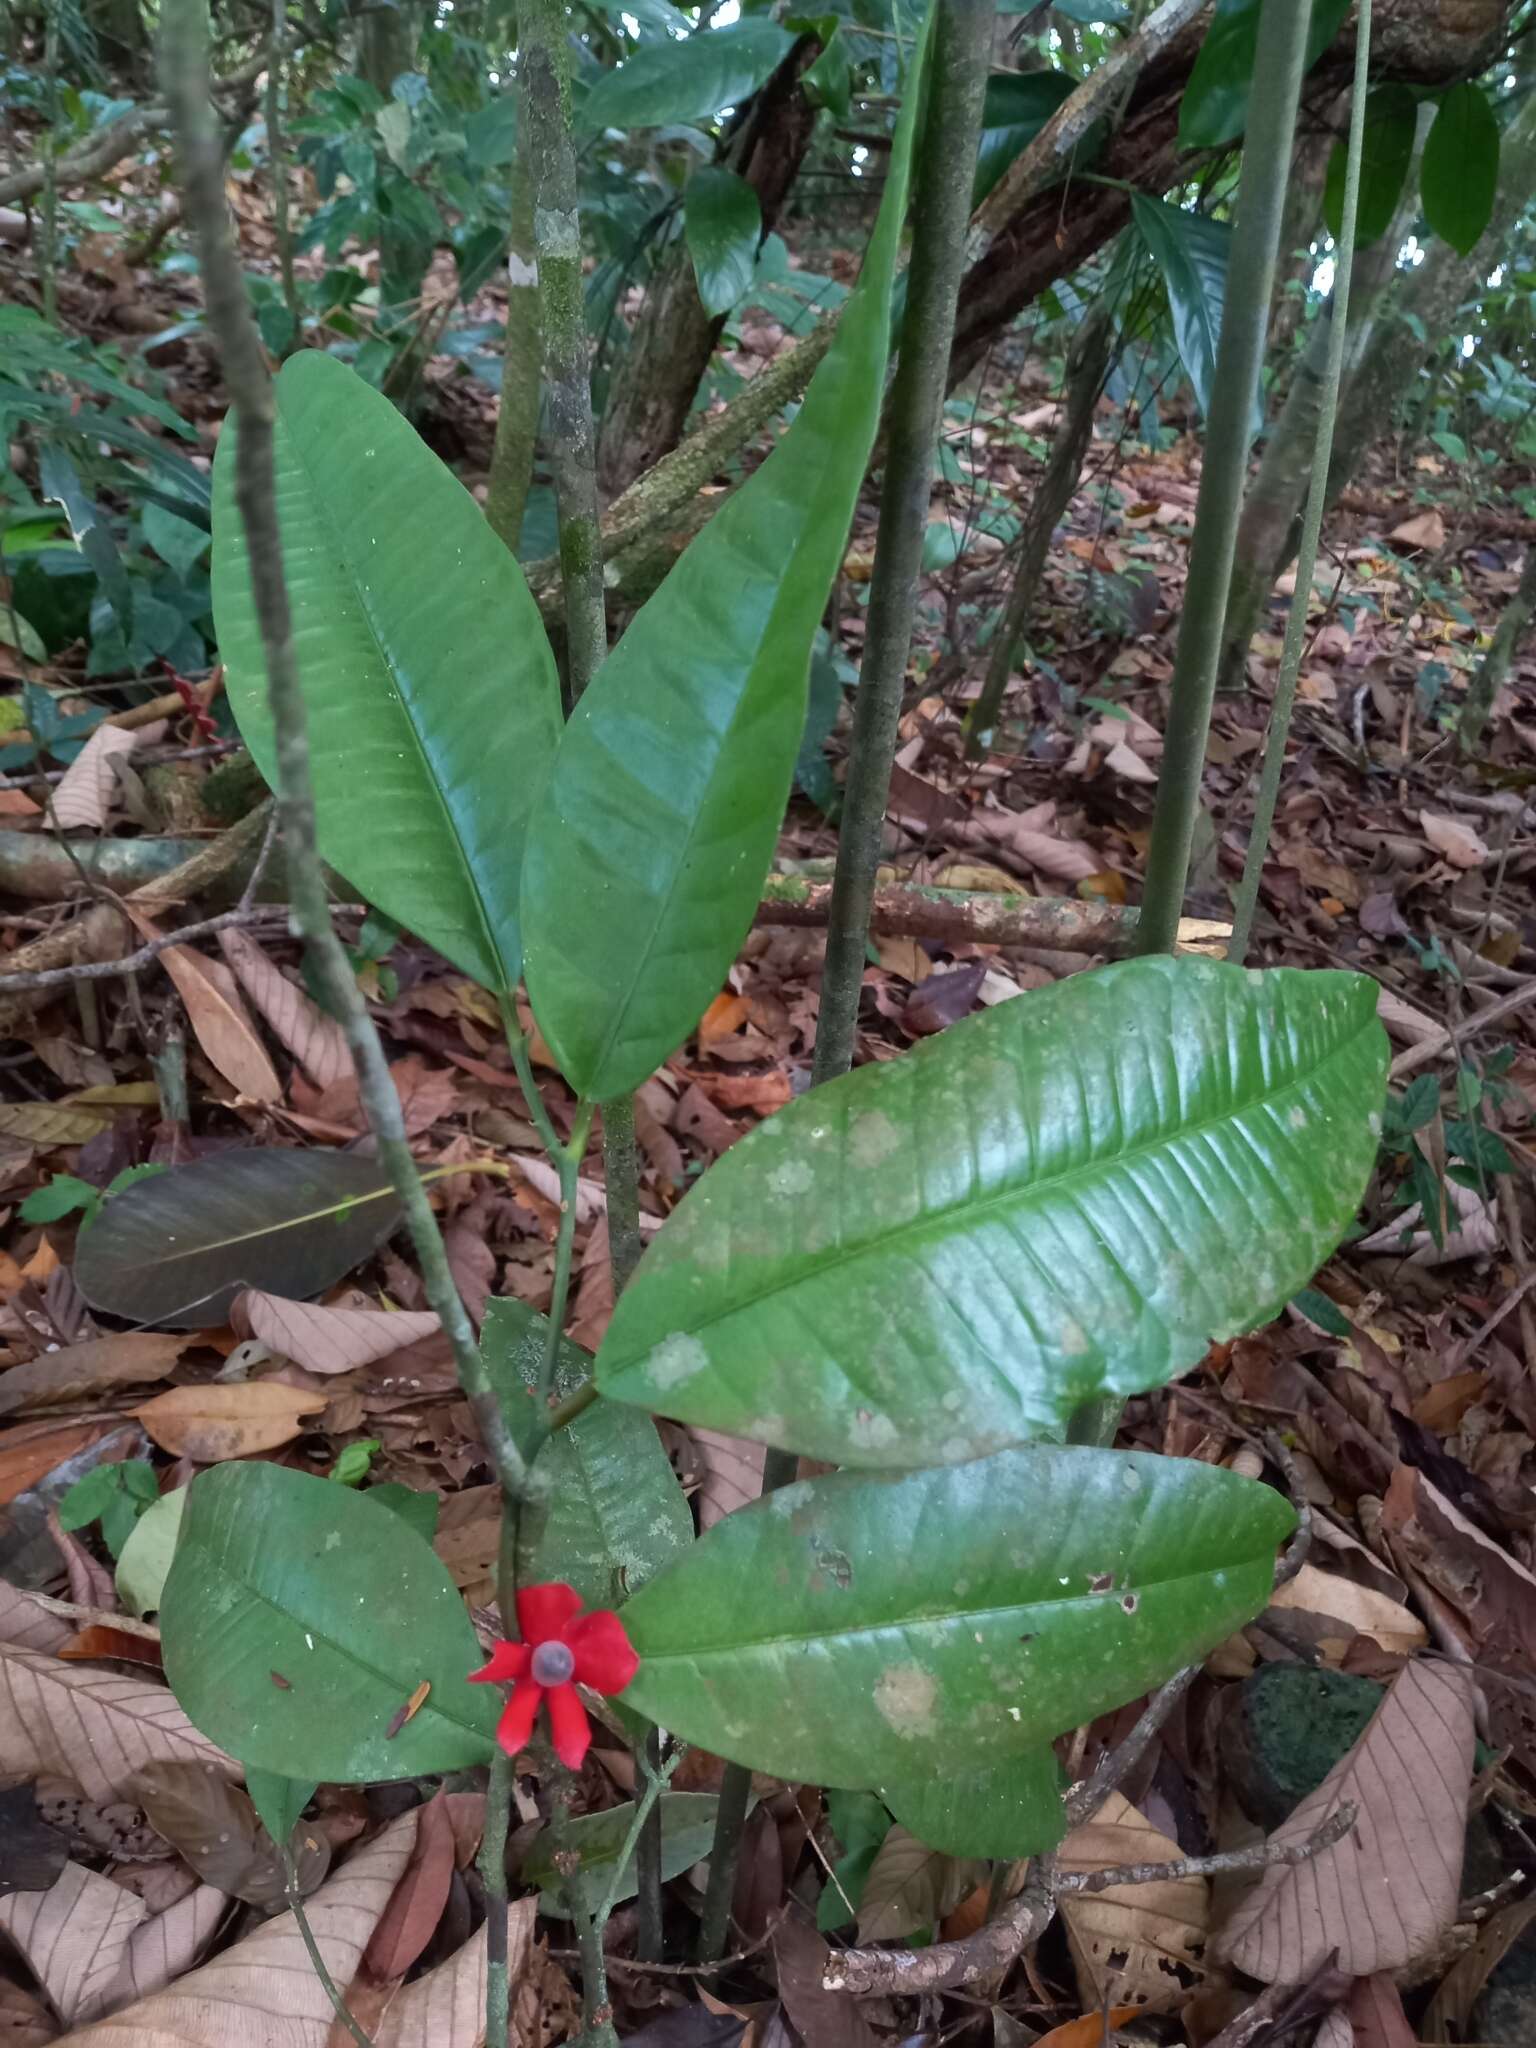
x: 561, y: 1649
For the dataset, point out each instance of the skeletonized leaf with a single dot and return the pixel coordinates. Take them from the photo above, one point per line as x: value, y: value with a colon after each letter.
x: 326, y: 1339
x: 446, y: 2007
x: 1385, y: 1894
x: 127, y: 1359
x: 211, y: 1423
x: 74, y: 1938
x: 1128, y: 1940
x: 265, y: 1990
x: 176, y: 1249
x: 316, y: 1040
x: 96, y: 1727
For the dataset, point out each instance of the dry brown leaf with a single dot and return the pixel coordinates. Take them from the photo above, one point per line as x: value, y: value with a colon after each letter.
x: 264, y: 1990
x: 1087, y: 2030
x: 316, y: 1041
x: 1363, y: 1612
x: 1376, y: 2015
x: 53, y: 1123
x: 1387, y: 1892
x: 31, y: 1450
x: 1453, y: 840
x: 416, y: 1905
x: 426, y: 1093
x: 24, y: 2019
x: 26, y: 1626
x: 1473, y: 1231
x: 469, y: 1534
x: 1424, y: 530
x: 1131, y: 1942
x: 1023, y: 835
x: 732, y: 1473
x: 827, y: 2018
x: 446, y: 2007
x: 74, y: 1938
x: 89, y: 788
x: 94, y: 1727
x: 211, y: 1423
x: 130, y: 1358
x: 217, y: 1016
x: 1449, y: 2014
x: 1493, y: 1591
x: 326, y: 1339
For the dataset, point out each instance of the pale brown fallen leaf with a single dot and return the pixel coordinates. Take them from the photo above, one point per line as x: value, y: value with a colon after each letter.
x: 1473, y: 1231
x: 89, y: 787
x: 446, y: 2007
x: 96, y: 1728
x: 1424, y: 530
x: 316, y: 1040
x: 1453, y: 840
x: 416, y: 1905
x: 732, y: 1470
x: 264, y: 1991
x: 1131, y: 1943
x: 26, y: 1626
x: 1492, y: 1590
x: 29, y: 1451
x: 1384, y: 1894
x: 211, y: 1423
x: 469, y: 1533
x: 827, y: 2018
x: 1063, y: 860
x: 1376, y: 2014
x: 326, y: 1339
x: 24, y: 2019
x: 74, y: 1938
x: 1362, y: 1611
x: 53, y: 1123
x: 217, y: 1016
x: 131, y: 1357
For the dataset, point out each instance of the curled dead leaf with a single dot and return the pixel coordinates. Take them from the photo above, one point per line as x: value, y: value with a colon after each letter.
x: 1132, y: 1944
x: 326, y: 1339
x: 211, y: 1423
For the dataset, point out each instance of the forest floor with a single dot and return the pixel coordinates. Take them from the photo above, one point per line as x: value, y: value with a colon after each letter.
x: 1405, y: 1384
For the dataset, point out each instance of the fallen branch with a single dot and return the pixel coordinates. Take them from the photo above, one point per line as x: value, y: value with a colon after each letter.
x: 171, y: 705
x: 1447, y: 1036
x: 1258, y: 1856
x: 103, y: 970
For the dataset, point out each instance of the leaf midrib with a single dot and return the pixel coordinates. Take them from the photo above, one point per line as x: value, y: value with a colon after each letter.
x: 816, y: 1266
x: 219, y: 1244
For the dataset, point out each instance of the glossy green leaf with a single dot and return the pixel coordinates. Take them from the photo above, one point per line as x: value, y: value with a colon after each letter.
x: 1072, y: 1195
x: 860, y: 1630
x: 723, y: 221
x: 145, y: 1559
x: 1016, y: 107
x: 1391, y: 118
x: 861, y: 1823
x: 173, y: 1251
x: 1191, y: 254
x: 1214, y: 108
x: 1006, y: 1810
x: 692, y: 80
x: 278, y: 1572
x: 614, y: 1513
x: 1460, y: 173
x: 434, y: 706
x: 687, y: 1832
x: 647, y: 851
x: 279, y: 1802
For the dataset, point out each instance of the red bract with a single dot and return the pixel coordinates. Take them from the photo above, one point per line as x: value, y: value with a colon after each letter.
x: 561, y: 1649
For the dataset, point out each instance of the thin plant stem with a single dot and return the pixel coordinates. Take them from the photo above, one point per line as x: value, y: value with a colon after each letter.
x: 1312, y: 523
x: 577, y: 1402
x: 522, y: 1066
x: 568, y: 1162
x: 307, y: 1934
x: 493, y: 1874
x: 50, y: 207
x: 545, y: 65
x: 725, y: 1851
x: 645, y: 1804
x: 277, y: 164
x: 1278, y: 61
x: 517, y: 418
x: 940, y: 211
x: 648, y: 1932
x: 621, y: 1176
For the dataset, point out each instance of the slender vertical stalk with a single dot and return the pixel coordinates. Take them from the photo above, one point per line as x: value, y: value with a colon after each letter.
x: 328, y: 1983
x: 1278, y: 63
x: 546, y: 110
x: 493, y: 1874
x: 517, y: 419
x: 568, y: 1165
x: 940, y: 211
x: 50, y: 206
x: 277, y: 163
x: 648, y: 1933
x: 724, y: 1854
x: 1312, y: 525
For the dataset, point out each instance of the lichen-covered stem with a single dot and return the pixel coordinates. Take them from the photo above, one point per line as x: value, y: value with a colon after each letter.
x: 517, y: 419
x: 545, y: 70
x: 1278, y: 60
x: 1312, y: 526
x: 277, y: 165
x: 940, y: 210
x: 493, y: 1875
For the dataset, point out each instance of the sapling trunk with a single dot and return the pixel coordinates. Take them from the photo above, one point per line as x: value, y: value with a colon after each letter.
x: 1306, y: 561
x: 1278, y: 62
x: 517, y: 418
x: 277, y: 165
x: 940, y: 210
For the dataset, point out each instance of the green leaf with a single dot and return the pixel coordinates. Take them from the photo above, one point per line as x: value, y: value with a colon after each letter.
x: 723, y: 221
x: 88, y: 1499
x: 416, y: 1509
x: 59, y: 1197
x: 860, y: 1631
x: 1009, y: 1809
x: 279, y: 1802
x: 1070, y: 1196
x: 1016, y: 107
x: 351, y: 1467
x: 1460, y: 172
x: 434, y: 707
x: 173, y: 1251
x: 1391, y: 119
x: 861, y: 1823
x: 687, y: 1831
x: 1214, y: 108
x: 693, y: 80
x: 176, y: 541
x: 1191, y: 253
x: 615, y: 1512
x: 1321, y: 1309
x: 145, y: 1560
x: 658, y: 825
x: 829, y: 81
x: 281, y: 1572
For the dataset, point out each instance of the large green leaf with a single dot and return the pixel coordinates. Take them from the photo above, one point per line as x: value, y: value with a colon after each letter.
x: 614, y: 1513
x: 691, y: 80
x: 1391, y: 119
x: 1191, y: 253
x: 1214, y: 108
x: 687, y: 1831
x: 655, y: 831
x: 1017, y: 106
x: 723, y: 221
x: 174, y: 1250
x: 860, y: 1630
x: 298, y: 1621
x: 1007, y: 1810
x: 1461, y: 166
x: 1070, y: 1196
x: 434, y: 706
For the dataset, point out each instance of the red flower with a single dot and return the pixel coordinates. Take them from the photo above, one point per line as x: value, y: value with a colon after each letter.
x: 558, y: 1652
